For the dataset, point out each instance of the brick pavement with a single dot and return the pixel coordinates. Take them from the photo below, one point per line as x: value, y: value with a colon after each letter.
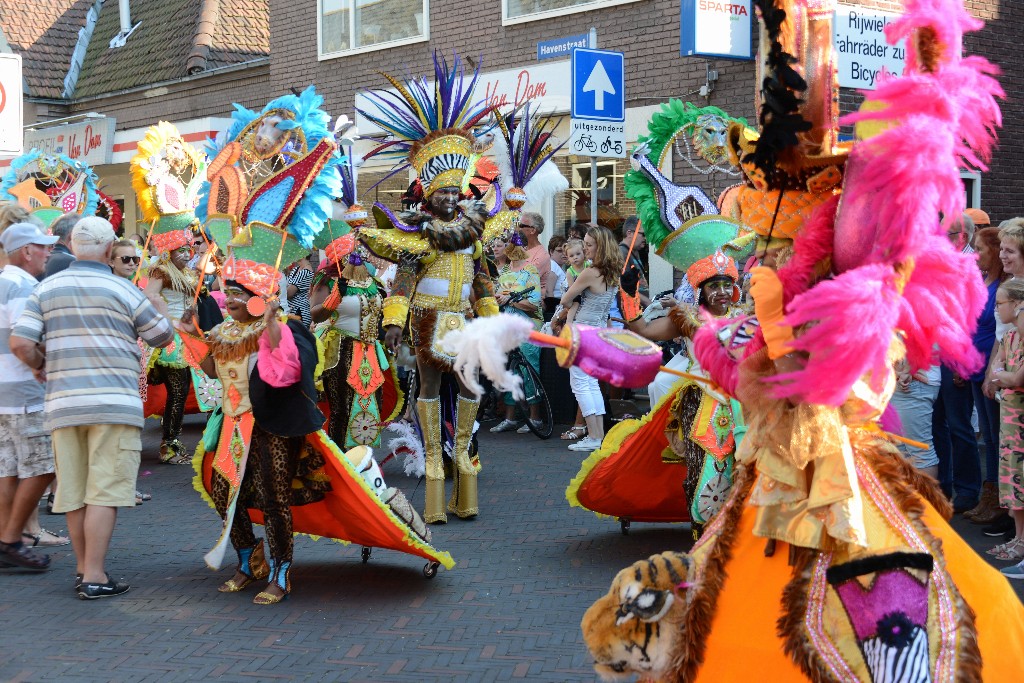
x: 526, y: 570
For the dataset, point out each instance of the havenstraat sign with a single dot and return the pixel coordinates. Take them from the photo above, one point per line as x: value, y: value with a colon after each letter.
x: 91, y: 141
x: 548, y: 85
x: 861, y: 49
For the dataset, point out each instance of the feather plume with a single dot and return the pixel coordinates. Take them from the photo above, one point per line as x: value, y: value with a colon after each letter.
x: 418, y: 109
x: 408, y: 444
x: 483, y: 345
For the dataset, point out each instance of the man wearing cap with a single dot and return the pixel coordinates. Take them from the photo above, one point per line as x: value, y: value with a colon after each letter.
x: 93, y: 408
x: 26, y: 459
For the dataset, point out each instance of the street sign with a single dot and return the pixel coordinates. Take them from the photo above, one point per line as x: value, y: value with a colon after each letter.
x: 716, y: 28
x: 598, y: 85
x: 598, y: 123
x: 560, y: 47
x: 11, y: 85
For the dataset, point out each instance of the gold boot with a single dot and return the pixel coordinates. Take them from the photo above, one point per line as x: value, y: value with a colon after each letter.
x: 429, y: 411
x: 466, y: 503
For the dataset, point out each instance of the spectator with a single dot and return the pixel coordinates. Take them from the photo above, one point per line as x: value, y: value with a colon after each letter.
x: 955, y: 441
x: 61, y: 256
x: 575, y: 259
x: 986, y: 245
x: 596, y: 286
x: 557, y: 255
x: 531, y: 225
x: 914, y: 401
x: 93, y: 408
x: 631, y: 249
x: 124, y: 260
x: 517, y: 291
x: 577, y: 231
x: 300, y: 279
x: 10, y: 213
x: 26, y: 458
x: 1008, y: 377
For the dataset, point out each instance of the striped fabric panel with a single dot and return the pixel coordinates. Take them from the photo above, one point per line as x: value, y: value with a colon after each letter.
x: 90, y: 321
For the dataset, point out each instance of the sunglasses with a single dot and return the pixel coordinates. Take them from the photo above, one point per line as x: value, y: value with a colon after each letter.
x: 129, y: 259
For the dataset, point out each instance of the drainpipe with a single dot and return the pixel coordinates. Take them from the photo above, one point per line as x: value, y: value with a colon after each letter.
x: 209, y: 16
x: 125, y: 11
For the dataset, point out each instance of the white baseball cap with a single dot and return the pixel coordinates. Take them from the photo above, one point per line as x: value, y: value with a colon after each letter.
x: 19, y: 235
x: 93, y: 230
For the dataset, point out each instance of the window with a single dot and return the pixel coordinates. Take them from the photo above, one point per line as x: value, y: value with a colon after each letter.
x: 351, y: 26
x: 517, y: 11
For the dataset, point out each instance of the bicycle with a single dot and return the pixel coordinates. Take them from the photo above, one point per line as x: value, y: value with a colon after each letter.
x: 585, y: 141
x: 533, y: 388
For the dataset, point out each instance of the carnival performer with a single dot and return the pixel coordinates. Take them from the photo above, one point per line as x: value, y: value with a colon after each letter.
x: 359, y: 378
x: 832, y: 555
x: 166, y: 175
x: 264, y: 456
x: 440, y: 279
x: 676, y: 463
x: 50, y: 185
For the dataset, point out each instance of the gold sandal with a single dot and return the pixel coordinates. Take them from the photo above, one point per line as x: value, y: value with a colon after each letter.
x: 253, y: 560
x: 279, y: 576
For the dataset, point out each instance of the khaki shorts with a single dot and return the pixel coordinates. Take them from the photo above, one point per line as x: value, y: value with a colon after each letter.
x: 96, y: 465
x: 24, y: 446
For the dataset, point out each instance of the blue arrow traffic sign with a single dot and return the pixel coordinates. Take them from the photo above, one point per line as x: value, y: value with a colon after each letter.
x: 598, y: 85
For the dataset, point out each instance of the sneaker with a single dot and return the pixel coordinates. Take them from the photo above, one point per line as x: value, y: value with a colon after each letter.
x: 585, y: 444
x: 95, y: 591
x: 525, y: 429
x: 504, y: 426
x: 999, y: 527
x: 21, y: 555
x: 1014, y: 572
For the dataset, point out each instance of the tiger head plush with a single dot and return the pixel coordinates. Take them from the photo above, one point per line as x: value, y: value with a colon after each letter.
x: 633, y: 628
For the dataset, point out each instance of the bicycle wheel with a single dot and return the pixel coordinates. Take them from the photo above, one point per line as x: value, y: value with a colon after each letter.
x: 533, y: 393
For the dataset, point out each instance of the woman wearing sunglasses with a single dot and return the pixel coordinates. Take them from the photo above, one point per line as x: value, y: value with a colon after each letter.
x: 125, y: 259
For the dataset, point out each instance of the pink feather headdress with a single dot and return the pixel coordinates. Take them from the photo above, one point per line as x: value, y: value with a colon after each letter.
x: 896, y: 268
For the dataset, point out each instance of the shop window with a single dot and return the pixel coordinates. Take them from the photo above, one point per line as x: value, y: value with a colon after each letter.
x: 515, y: 11
x: 352, y: 26
x: 972, y: 189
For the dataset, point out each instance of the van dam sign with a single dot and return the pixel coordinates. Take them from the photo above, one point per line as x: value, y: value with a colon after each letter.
x: 861, y: 49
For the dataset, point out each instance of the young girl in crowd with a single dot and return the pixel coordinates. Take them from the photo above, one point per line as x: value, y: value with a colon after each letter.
x: 596, y: 286
x: 1008, y: 378
x: 575, y: 259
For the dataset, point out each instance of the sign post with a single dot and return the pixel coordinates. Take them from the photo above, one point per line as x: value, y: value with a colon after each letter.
x: 11, y: 142
x: 598, y: 110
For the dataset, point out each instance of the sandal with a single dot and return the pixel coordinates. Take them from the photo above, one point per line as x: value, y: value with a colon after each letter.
x: 1013, y: 552
x: 577, y: 432
x: 172, y: 453
x: 997, y: 549
x: 45, y: 539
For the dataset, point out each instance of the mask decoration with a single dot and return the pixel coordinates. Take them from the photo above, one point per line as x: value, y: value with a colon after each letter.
x: 50, y: 185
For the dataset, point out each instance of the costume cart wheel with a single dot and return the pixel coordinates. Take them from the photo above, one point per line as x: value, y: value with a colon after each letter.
x: 534, y: 394
x: 430, y: 569
x: 624, y: 525
x: 366, y: 554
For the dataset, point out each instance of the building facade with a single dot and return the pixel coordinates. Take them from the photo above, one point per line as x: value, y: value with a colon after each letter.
x: 187, y: 61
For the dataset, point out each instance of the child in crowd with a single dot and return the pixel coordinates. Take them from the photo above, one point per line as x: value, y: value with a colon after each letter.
x: 1008, y: 378
x: 575, y: 260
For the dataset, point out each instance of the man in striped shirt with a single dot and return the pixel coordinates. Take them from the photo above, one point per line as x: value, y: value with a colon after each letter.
x: 80, y: 326
x: 26, y: 458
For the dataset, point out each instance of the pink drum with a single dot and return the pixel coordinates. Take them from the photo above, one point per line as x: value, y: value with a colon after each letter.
x: 619, y: 357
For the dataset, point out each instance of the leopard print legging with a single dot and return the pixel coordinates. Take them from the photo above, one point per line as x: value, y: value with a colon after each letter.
x: 178, y: 382
x: 267, y: 486
x: 338, y: 396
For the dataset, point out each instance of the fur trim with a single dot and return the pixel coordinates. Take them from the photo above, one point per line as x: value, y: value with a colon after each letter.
x: 702, y: 599
x: 790, y: 626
